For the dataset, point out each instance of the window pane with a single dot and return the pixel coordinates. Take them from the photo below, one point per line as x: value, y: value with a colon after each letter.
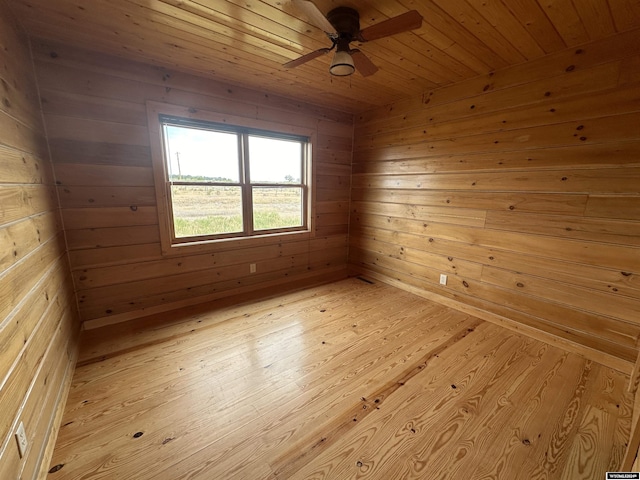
x: 206, y: 210
x: 274, y: 161
x: 195, y: 155
x: 277, y: 207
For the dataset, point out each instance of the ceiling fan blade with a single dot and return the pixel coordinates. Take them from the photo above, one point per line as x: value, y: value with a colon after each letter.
x: 362, y: 63
x: 402, y: 23
x: 315, y: 15
x: 306, y: 58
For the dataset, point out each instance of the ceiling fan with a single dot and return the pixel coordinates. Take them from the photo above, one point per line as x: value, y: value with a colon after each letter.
x: 342, y: 26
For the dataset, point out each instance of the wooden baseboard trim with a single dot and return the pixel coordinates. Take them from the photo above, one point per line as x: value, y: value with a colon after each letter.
x: 46, y: 454
x: 240, y: 295
x: 589, y: 353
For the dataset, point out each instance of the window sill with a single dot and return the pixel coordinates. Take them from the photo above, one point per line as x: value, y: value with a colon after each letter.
x: 235, y: 243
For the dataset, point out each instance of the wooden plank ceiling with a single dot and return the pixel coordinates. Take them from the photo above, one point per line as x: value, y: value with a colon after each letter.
x: 246, y: 43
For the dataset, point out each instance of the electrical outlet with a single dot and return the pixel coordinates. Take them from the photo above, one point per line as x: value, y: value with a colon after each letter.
x: 252, y: 268
x: 443, y: 279
x: 21, y: 438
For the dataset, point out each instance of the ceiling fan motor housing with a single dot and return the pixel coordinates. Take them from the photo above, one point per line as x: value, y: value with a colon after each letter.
x: 346, y: 21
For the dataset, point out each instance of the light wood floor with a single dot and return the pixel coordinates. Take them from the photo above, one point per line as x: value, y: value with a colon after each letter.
x: 347, y: 380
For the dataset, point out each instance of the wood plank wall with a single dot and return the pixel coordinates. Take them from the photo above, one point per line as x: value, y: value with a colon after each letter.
x: 94, y: 108
x: 523, y: 186
x: 38, y: 315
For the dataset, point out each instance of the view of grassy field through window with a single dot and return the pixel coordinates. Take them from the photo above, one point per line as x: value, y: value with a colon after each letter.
x: 203, y: 210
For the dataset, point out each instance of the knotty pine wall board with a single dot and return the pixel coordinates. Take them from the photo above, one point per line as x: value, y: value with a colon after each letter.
x: 590, y: 253
x: 94, y: 108
x: 592, y: 277
x: 522, y: 186
x: 612, y: 49
x: 523, y: 201
x: 38, y: 315
x: 488, y: 112
x: 139, y: 80
x: 610, y: 206
x: 112, y: 275
x: 197, y: 282
x: 79, y: 196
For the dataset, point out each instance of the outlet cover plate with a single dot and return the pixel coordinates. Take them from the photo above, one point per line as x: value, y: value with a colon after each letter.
x: 21, y: 438
x: 443, y: 279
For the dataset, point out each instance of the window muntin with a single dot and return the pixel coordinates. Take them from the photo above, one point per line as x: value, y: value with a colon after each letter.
x: 227, y: 181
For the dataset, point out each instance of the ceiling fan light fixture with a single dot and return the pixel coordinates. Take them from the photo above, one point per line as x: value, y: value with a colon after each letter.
x: 342, y: 64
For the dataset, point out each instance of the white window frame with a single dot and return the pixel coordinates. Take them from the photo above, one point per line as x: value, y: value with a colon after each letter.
x: 174, y: 245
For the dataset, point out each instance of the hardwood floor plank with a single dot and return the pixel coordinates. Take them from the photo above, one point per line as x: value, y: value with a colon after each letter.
x: 431, y: 423
x: 344, y: 380
x: 333, y: 433
x: 299, y: 411
x: 486, y: 414
x: 528, y: 433
x: 585, y: 460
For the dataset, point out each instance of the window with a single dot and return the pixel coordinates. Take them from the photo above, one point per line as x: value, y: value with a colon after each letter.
x: 223, y: 181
